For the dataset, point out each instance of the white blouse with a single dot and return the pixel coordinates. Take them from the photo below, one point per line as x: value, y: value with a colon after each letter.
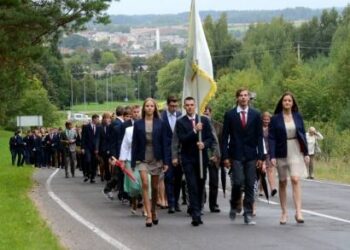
x: 125, y: 149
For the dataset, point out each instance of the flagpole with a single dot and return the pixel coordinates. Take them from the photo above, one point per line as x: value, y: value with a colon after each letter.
x: 198, y: 96
x: 199, y: 132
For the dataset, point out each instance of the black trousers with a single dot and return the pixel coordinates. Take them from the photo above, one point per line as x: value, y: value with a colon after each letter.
x: 195, y: 187
x: 243, y: 174
x: 90, y: 164
x: 107, y: 174
x: 173, y: 179
x: 20, y: 156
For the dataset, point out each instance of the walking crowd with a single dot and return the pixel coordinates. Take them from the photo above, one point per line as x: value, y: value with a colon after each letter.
x: 148, y: 158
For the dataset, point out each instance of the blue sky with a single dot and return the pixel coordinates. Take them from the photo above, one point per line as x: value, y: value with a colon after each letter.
x: 137, y: 7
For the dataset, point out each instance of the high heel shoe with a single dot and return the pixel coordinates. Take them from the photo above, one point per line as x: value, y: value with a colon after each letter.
x: 299, y: 220
x: 148, y: 224
x: 283, y: 220
x: 155, y: 220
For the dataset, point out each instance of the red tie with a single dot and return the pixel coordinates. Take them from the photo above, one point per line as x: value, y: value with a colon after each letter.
x: 243, y: 119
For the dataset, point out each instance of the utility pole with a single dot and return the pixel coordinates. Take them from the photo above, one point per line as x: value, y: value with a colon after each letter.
x: 85, y: 91
x: 71, y: 91
x: 299, y: 57
x: 95, y: 91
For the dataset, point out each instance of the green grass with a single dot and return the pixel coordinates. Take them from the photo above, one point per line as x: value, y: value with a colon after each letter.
x: 108, y: 107
x: 334, y: 170
x: 21, y: 226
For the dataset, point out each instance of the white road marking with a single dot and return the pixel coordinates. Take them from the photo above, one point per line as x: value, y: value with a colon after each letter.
x: 114, y: 242
x: 303, y: 210
x: 328, y: 183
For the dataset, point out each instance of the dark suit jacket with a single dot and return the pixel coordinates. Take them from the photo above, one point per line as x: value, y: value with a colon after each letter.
x: 89, y: 141
x: 188, y: 139
x: 168, y: 135
x: 278, y: 135
x: 117, y: 126
x: 107, y: 142
x: 242, y: 144
x: 138, y: 147
x: 124, y: 126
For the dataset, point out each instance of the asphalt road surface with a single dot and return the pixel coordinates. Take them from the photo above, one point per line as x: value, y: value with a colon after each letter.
x: 84, y: 219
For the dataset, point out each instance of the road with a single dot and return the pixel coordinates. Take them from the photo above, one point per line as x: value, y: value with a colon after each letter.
x: 84, y: 219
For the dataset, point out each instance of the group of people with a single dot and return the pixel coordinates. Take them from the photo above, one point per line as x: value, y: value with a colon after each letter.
x: 162, y: 151
x: 48, y: 147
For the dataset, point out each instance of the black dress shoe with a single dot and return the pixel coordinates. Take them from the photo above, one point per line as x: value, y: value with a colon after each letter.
x: 86, y: 179
x: 92, y: 181
x: 200, y: 222
x: 215, y: 210
x: 177, y: 209
x: 232, y: 214
x: 195, y: 223
x: 148, y: 224
x: 171, y: 210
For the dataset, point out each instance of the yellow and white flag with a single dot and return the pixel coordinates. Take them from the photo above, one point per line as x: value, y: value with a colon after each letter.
x: 198, y: 81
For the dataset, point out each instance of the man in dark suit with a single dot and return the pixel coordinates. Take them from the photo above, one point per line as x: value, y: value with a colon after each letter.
x: 19, y: 148
x: 188, y: 128
x: 90, y: 137
x: 173, y: 176
x: 106, y: 145
x: 242, y: 150
x: 214, y: 162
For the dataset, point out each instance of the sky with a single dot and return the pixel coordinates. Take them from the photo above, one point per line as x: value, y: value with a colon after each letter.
x: 140, y: 7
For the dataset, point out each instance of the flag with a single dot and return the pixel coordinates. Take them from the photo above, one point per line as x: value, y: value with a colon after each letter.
x: 198, y: 80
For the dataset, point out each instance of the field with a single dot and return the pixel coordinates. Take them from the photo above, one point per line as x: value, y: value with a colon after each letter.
x: 107, y: 107
x: 21, y: 225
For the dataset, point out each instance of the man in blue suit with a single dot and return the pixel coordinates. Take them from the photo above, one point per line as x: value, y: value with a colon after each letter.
x: 173, y: 176
x: 89, y: 140
x: 187, y: 130
x: 242, y: 150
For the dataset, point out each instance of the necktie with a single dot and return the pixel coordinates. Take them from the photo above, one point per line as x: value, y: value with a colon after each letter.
x: 243, y: 119
x: 93, y: 129
x: 193, y: 123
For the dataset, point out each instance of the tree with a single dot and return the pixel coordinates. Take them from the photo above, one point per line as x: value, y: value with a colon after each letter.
x: 96, y: 56
x: 154, y: 63
x: 27, y: 28
x: 170, y: 79
x: 222, y: 45
x: 75, y: 41
x: 169, y: 52
x: 107, y: 58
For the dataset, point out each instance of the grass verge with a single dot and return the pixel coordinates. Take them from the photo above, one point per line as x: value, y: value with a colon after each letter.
x: 334, y: 170
x: 21, y: 226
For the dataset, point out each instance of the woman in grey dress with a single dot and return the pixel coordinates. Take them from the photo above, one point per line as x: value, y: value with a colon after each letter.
x: 288, y: 151
x: 147, y: 155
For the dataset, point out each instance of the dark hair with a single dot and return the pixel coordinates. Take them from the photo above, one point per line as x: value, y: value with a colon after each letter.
x: 208, y: 108
x: 189, y: 98
x: 171, y: 99
x: 279, y: 106
x: 240, y: 90
x: 127, y: 111
x: 67, y: 124
x: 155, y: 113
x: 119, y: 111
x: 94, y: 116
